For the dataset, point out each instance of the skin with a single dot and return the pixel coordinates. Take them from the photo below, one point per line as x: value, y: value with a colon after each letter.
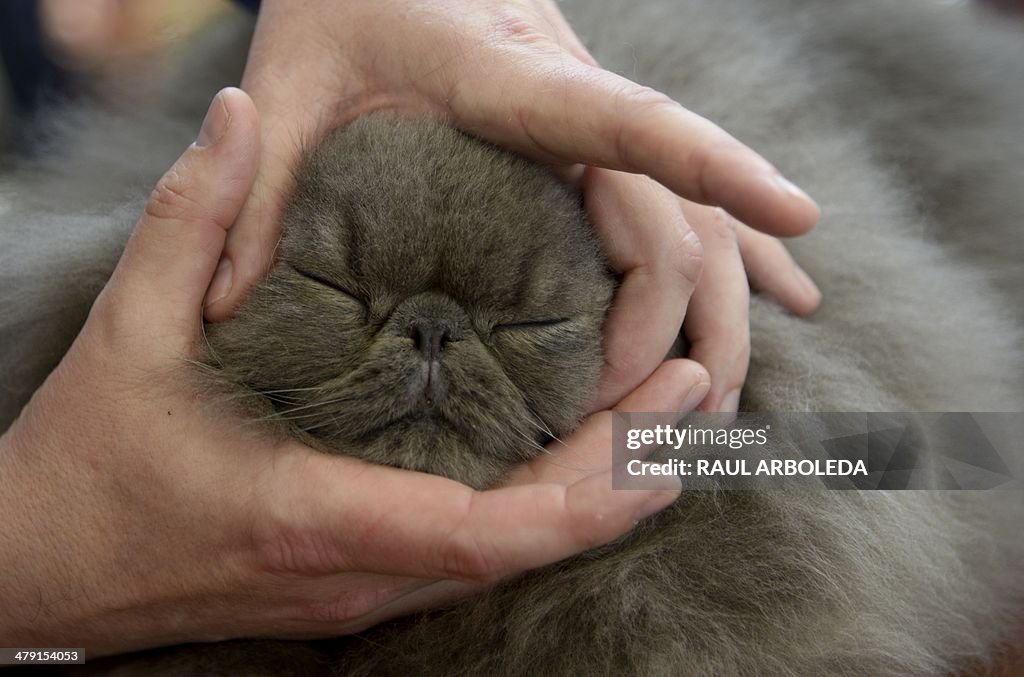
x: 491, y: 67
x: 146, y: 519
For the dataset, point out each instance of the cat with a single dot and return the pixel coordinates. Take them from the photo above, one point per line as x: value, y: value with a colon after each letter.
x: 903, y: 120
x: 465, y: 321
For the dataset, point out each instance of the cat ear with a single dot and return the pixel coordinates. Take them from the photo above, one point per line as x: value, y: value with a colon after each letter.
x: 176, y: 247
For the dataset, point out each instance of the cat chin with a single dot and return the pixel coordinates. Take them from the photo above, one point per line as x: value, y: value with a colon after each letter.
x: 432, y: 444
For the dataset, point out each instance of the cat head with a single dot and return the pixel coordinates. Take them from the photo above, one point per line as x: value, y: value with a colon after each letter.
x: 436, y: 305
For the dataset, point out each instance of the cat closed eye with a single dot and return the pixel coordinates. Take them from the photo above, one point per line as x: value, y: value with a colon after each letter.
x: 531, y: 324
x: 313, y: 277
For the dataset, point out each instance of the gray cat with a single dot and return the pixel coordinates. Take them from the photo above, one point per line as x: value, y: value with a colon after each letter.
x: 465, y: 320
x: 903, y: 120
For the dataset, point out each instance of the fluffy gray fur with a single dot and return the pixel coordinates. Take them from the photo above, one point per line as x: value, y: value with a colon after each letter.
x: 903, y: 119
x: 463, y: 322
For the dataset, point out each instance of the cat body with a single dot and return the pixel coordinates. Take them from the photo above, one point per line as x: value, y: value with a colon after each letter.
x: 903, y: 120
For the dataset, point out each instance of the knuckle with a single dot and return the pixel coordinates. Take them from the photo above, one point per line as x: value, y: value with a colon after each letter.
x: 344, y: 607
x: 171, y: 198
x: 686, y: 259
x: 642, y: 99
x: 590, y: 526
x: 509, y: 26
x: 716, y: 227
x: 591, y: 531
x: 700, y: 374
x: 530, y: 122
x: 114, y: 323
x: 466, y: 559
x: 639, y: 103
x: 721, y: 225
x: 695, y: 169
x: 109, y: 319
x: 287, y: 550
x: 330, y: 611
x: 623, y: 367
x: 523, y: 116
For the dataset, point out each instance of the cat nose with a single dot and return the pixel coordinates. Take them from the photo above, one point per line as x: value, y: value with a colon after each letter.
x: 430, y: 338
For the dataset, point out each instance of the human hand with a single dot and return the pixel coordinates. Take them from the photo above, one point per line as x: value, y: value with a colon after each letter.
x: 663, y: 283
x: 136, y: 514
x: 514, y: 73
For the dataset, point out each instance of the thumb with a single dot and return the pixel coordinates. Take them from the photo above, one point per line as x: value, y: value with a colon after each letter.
x: 171, y: 257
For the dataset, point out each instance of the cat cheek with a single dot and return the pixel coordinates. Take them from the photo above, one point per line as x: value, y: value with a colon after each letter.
x: 558, y: 371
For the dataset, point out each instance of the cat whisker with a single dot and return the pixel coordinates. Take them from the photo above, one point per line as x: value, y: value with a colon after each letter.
x: 550, y: 454
x: 323, y: 424
x: 529, y: 440
x: 286, y: 414
x: 538, y: 421
x: 279, y: 395
x: 287, y: 390
x: 209, y: 346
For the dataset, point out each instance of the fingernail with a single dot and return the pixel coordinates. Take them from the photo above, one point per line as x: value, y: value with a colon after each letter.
x: 658, y: 501
x: 697, y: 393
x: 786, y: 186
x: 731, y: 402
x: 221, y: 284
x: 215, y: 123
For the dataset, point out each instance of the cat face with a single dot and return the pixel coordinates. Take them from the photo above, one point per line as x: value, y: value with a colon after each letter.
x: 437, y: 305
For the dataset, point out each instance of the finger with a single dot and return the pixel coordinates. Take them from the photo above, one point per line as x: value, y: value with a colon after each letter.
x: 646, y: 238
x: 174, y: 250
x: 773, y: 272
x: 569, y: 112
x: 249, y: 250
x: 676, y: 386
x: 334, y: 514
x: 718, y: 323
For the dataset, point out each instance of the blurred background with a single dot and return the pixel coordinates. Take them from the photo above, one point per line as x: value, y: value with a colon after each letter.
x: 54, y: 50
